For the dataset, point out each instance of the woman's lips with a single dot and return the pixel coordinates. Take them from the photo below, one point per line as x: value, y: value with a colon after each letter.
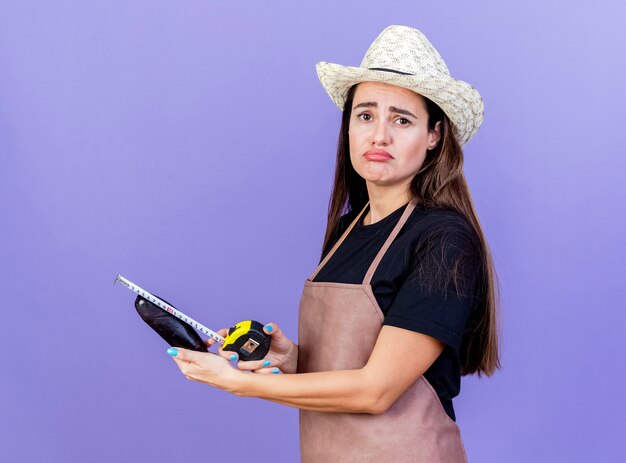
x: 377, y: 155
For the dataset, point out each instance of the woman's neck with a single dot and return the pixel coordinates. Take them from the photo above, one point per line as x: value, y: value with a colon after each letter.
x: 383, y: 201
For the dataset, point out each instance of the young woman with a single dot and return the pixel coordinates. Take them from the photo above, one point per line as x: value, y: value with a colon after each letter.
x: 403, y: 301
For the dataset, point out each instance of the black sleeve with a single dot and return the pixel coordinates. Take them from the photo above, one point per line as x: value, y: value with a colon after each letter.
x: 440, y: 290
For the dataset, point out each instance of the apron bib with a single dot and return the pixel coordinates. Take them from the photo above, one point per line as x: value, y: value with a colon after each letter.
x: 415, y: 428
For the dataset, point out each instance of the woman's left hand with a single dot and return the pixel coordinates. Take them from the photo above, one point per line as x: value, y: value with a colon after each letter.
x: 206, y: 367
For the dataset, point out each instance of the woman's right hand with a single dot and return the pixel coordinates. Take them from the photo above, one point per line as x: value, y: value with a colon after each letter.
x: 283, y: 353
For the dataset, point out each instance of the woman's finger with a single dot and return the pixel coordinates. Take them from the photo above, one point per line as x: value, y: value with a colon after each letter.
x: 254, y: 364
x: 272, y: 329
x: 229, y: 355
x: 184, y: 355
x: 278, y: 337
x: 268, y: 371
x: 184, y: 359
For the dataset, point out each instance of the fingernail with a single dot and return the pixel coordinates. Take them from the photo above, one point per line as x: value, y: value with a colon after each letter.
x: 266, y: 363
x: 269, y: 328
x: 172, y: 351
x: 275, y: 370
x: 233, y: 357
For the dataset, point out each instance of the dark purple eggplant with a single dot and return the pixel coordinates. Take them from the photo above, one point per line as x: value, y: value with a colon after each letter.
x: 173, y: 330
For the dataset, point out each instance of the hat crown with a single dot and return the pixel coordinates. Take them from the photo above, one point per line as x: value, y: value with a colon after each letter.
x: 405, y: 49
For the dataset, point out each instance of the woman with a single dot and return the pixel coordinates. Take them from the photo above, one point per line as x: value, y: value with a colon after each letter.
x: 403, y: 301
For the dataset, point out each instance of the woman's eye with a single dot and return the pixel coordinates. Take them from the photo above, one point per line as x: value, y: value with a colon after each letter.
x: 403, y: 121
x: 365, y: 117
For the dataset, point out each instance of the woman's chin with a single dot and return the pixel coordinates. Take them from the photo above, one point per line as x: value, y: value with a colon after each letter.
x: 379, y: 181
x: 375, y: 174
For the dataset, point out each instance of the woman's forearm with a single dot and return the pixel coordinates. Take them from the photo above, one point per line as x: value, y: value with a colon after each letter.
x: 392, y: 367
x: 346, y: 391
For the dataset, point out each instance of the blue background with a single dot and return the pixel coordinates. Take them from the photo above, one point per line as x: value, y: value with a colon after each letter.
x: 190, y: 147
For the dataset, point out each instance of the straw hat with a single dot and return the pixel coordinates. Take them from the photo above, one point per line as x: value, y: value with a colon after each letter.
x: 403, y: 56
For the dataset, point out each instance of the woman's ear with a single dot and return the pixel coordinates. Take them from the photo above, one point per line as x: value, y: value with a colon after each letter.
x: 435, y: 135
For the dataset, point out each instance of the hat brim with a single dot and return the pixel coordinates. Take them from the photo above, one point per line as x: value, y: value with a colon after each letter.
x: 457, y: 99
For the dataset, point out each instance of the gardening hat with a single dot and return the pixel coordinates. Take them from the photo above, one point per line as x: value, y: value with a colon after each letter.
x: 403, y: 56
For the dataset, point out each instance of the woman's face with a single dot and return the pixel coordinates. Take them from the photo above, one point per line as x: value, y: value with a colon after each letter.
x: 388, y: 133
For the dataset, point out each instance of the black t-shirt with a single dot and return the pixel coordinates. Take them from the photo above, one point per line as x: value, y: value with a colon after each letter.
x: 412, y: 283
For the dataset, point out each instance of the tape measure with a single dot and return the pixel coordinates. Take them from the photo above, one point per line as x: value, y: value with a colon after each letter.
x: 246, y: 338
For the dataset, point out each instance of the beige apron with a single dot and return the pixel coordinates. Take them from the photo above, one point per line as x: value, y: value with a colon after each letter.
x: 338, y: 325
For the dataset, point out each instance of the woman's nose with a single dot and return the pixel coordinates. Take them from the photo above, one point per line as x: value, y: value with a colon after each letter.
x: 381, y: 135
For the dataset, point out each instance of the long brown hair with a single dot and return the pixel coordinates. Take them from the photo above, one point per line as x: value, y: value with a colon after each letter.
x: 439, y: 183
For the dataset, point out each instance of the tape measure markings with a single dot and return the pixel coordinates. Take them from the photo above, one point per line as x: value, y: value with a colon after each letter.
x: 168, y: 308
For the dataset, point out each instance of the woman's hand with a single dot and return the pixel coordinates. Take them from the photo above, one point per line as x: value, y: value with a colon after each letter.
x: 206, y: 367
x: 283, y: 354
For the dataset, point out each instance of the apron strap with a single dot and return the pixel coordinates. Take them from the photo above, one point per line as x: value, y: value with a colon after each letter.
x: 405, y: 215
x: 332, y: 251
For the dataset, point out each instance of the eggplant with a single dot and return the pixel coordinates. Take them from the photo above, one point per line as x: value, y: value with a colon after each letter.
x: 172, y: 329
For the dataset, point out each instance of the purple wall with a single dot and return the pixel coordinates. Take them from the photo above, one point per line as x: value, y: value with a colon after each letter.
x: 189, y: 146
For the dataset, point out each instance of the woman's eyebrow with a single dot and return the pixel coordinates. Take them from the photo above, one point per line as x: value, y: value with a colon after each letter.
x: 367, y: 104
x: 393, y: 109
